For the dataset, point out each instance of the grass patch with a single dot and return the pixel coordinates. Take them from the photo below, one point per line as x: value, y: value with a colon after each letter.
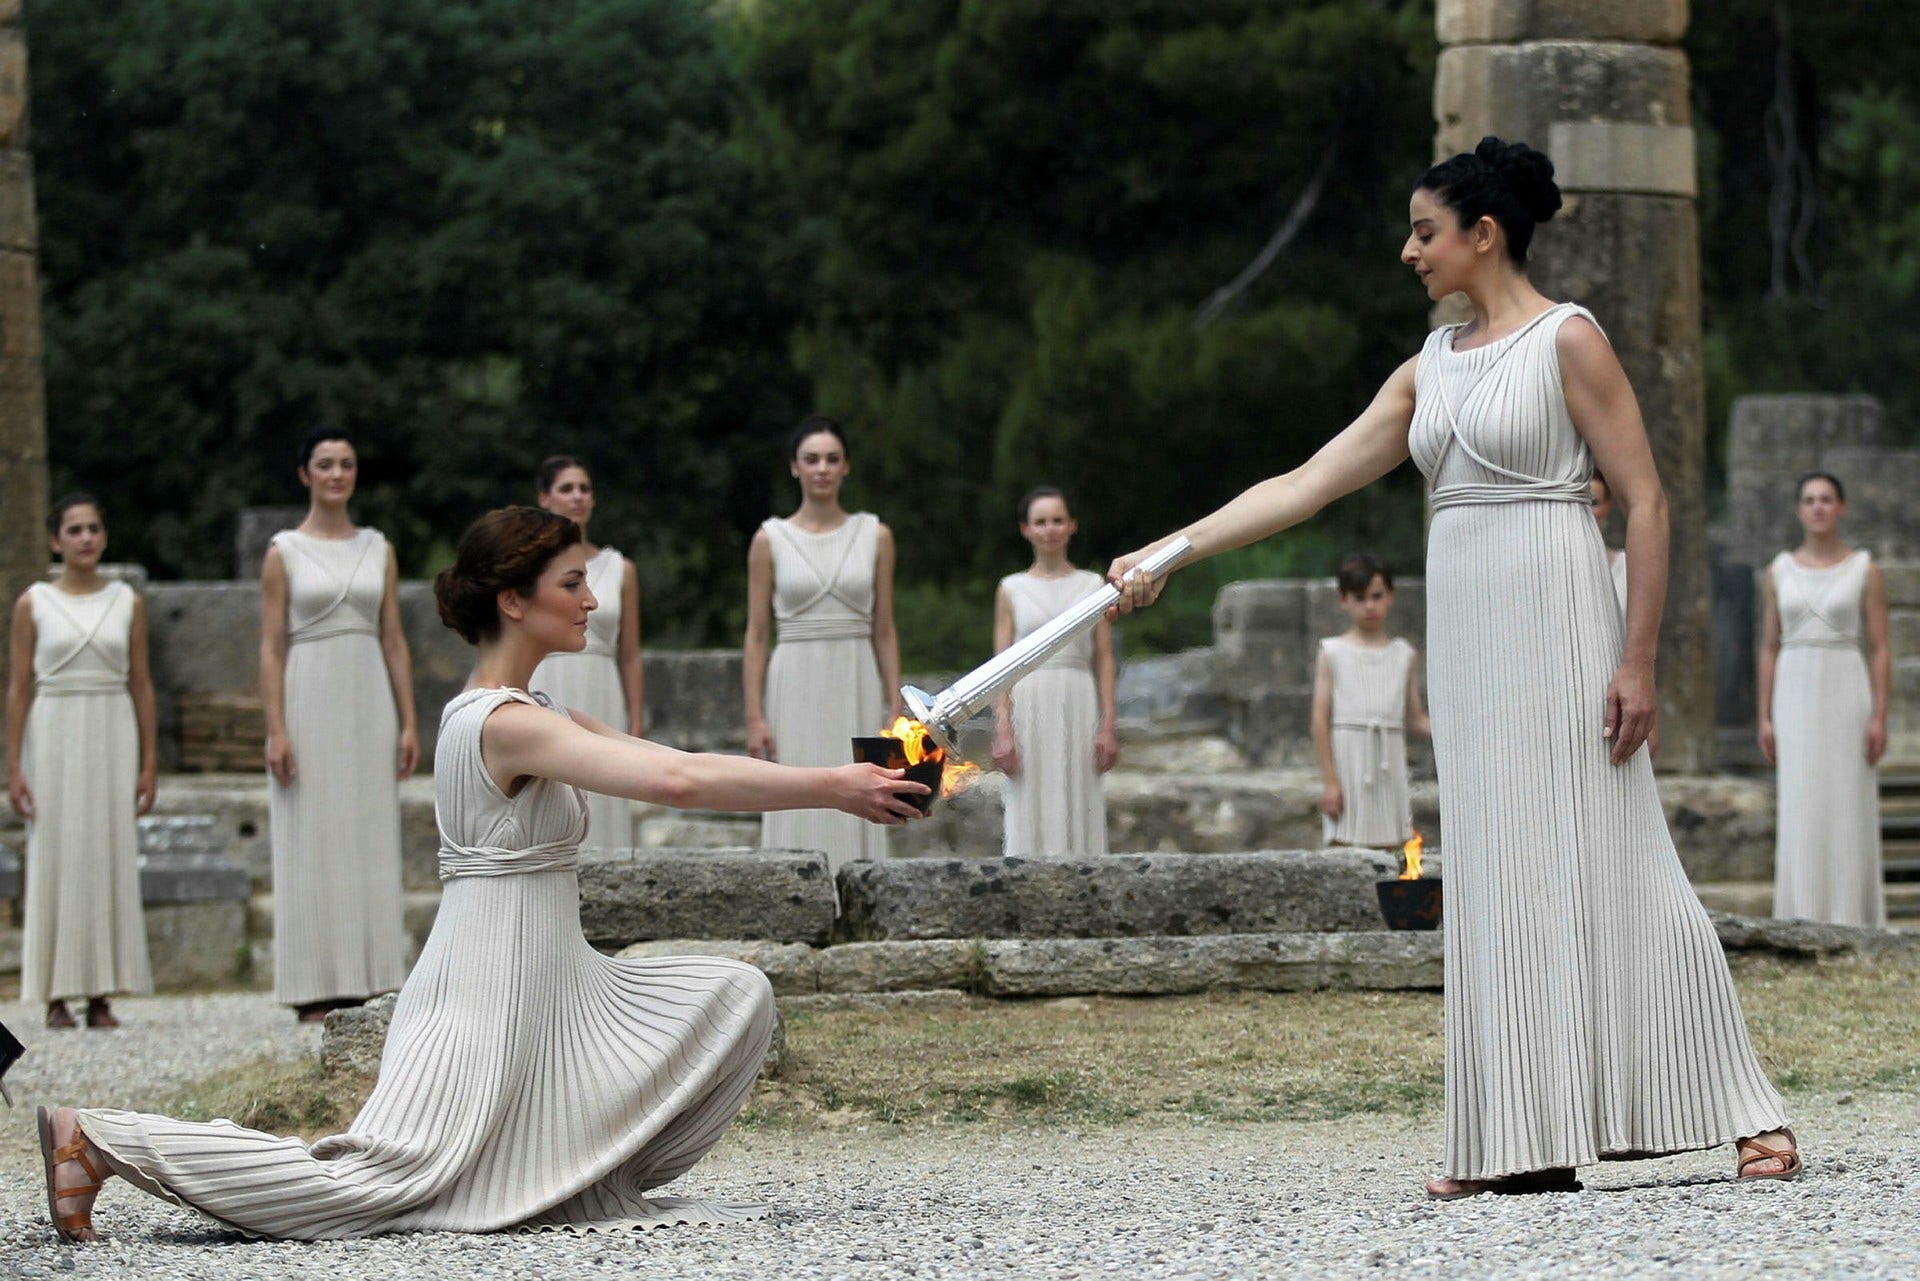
x: 1227, y: 1058
x: 276, y: 1096
x: 1101, y: 1060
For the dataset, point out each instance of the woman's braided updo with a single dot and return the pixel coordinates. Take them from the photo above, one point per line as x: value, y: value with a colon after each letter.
x: 504, y: 549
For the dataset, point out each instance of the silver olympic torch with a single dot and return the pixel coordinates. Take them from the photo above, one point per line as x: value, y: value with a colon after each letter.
x: 944, y: 713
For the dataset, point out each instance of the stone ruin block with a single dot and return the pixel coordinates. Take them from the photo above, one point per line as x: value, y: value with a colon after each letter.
x: 1114, y: 896
x: 630, y: 896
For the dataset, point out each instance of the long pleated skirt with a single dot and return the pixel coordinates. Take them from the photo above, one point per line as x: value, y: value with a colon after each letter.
x: 1827, y: 827
x: 1055, y: 807
x: 84, y: 933
x: 527, y: 1082
x: 591, y: 683
x: 337, y: 931
x: 1589, y: 1010
x: 821, y: 695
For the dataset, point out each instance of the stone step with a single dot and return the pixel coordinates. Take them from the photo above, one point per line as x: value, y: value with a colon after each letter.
x: 1121, y: 895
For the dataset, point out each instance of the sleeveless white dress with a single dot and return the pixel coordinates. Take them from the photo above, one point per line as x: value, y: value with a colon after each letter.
x: 527, y: 1080
x: 337, y: 931
x: 1055, y: 805
x: 823, y: 682
x: 589, y: 681
x: 84, y: 932
x: 1589, y: 1012
x: 1826, y: 861
x: 1370, y: 742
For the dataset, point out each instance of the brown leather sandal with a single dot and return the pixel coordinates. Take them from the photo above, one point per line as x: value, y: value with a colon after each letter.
x: 69, y: 1226
x: 1748, y: 1151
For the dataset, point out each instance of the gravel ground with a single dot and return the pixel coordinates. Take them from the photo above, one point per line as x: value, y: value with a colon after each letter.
x: 1148, y: 1201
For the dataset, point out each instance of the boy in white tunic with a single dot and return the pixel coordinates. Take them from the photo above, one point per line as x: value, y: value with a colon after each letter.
x: 1365, y: 700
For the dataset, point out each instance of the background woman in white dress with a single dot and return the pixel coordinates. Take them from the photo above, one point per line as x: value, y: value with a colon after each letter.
x: 1054, y: 732
x: 604, y: 679
x: 1823, y: 715
x: 1589, y: 1011
x: 80, y: 769
x: 336, y: 686
x: 527, y: 1080
x: 827, y: 576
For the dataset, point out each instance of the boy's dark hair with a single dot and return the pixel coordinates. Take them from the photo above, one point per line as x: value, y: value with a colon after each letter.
x: 1358, y: 571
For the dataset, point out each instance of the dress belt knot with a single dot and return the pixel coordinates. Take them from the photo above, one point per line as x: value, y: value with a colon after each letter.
x: 458, y: 861
x: 1376, y: 728
x: 824, y: 629
x: 1821, y: 642
x: 327, y: 631
x: 1534, y: 491
x: 71, y: 684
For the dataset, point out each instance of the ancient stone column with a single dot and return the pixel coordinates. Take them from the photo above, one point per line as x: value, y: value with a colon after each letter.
x: 23, y: 426
x: 1601, y: 87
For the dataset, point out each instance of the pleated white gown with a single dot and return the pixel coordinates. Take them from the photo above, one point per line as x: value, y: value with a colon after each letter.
x: 1055, y: 805
x: 337, y: 931
x: 823, y: 682
x: 1826, y: 858
x: 527, y: 1080
x: 1589, y: 1012
x: 1370, y: 742
x: 589, y: 681
x: 84, y: 933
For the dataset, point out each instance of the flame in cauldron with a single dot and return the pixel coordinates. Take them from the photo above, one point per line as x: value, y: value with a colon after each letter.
x: 1411, y: 853
x: 919, y: 746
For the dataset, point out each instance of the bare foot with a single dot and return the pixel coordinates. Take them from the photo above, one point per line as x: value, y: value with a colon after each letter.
x: 1773, y: 1155
x: 1454, y: 1189
x: 72, y: 1174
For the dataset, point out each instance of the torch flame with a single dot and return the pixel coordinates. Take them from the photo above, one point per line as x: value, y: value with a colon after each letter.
x: 919, y: 745
x: 1411, y: 853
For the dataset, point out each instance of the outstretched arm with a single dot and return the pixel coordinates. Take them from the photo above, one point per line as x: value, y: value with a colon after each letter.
x: 1370, y: 447
x: 522, y: 741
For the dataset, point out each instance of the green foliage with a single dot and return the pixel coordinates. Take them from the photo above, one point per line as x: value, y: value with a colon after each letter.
x: 1851, y: 69
x: 1013, y: 212
x: 470, y: 234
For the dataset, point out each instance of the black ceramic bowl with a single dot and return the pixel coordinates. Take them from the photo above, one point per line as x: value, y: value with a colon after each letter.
x: 1411, y: 905
x: 889, y: 752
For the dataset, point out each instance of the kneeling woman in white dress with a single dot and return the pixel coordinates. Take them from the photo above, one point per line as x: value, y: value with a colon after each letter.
x: 1054, y: 731
x: 527, y: 1081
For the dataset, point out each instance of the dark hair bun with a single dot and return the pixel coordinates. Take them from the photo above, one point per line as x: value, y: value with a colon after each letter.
x: 1527, y: 172
x: 504, y: 549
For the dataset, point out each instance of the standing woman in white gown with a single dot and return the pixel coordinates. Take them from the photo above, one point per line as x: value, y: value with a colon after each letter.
x: 604, y: 679
x: 1054, y: 732
x: 527, y: 1080
x: 80, y: 770
x: 336, y: 685
x: 1589, y: 1011
x: 1823, y: 715
x: 826, y: 575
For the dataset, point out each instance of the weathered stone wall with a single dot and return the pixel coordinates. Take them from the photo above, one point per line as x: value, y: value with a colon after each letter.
x: 1602, y: 88
x: 23, y: 427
